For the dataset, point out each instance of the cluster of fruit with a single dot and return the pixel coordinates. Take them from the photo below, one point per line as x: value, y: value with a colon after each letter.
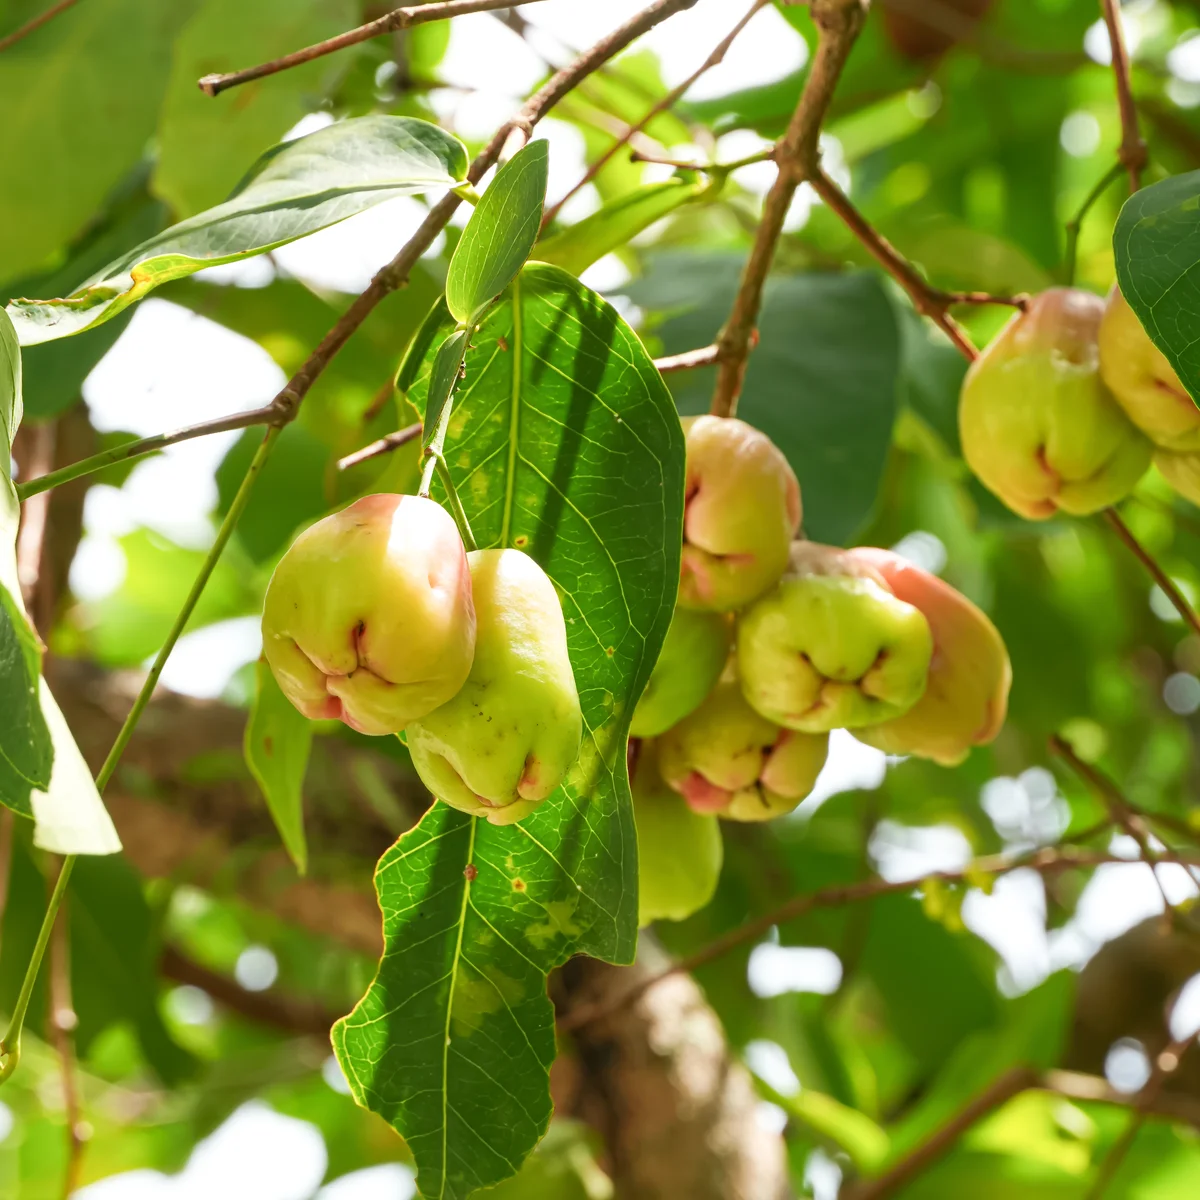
x: 1069, y: 404
x: 774, y: 643
x: 377, y: 616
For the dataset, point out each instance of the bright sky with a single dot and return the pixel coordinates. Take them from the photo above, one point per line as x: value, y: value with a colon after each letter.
x: 173, y: 368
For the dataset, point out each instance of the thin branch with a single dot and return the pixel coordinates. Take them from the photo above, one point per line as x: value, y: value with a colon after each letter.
x: 928, y: 301
x: 1176, y: 597
x: 1075, y: 224
x: 1045, y: 861
x: 62, y: 1022
x: 767, y: 155
x: 385, y: 445
x: 400, y: 18
x: 1123, y: 813
x: 668, y: 101
x: 1165, y: 1065
x: 142, y: 447
x: 1076, y: 1085
x: 1132, y: 151
x: 1010, y: 1084
x: 688, y: 360
x: 265, y: 1008
x: 838, y: 23
x: 36, y: 23
x: 37, y: 451
x: 395, y: 274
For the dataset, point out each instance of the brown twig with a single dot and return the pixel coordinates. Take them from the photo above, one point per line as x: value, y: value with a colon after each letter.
x: 36, y: 448
x: 395, y: 274
x: 385, y: 445
x: 1076, y: 1085
x: 1010, y: 1084
x: 1132, y: 151
x: 1046, y: 861
x: 400, y: 18
x: 1172, y: 593
x: 35, y: 23
x: 139, y: 449
x: 838, y: 23
x: 265, y: 1008
x: 1123, y: 813
x: 665, y: 103
x: 62, y: 1022
x: 688, y: 360
x: 1165, y: 1065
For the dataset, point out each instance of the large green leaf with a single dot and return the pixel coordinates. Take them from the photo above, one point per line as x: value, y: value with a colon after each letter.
x: 500, y: 233
x: 1157, y: 248
x: 822, y: 382
x: 277, y: 745
x: 294, y: 189
x: 205, y: 144
x: 611, y: 227
x: 80, y: 99
x: 563, y: 442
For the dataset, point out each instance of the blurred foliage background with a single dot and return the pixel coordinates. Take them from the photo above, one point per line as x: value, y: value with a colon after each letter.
x: 971, y: 156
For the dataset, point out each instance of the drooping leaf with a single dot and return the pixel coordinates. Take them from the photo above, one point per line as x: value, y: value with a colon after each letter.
x: 80, y: 99
x: 447, y: 365
x: 1157, y: 248
x: 278, y: 741
x: 611, y: 227
x: 822, y: 382
x: 206, y: 143
x: 294, y: 189
x: 564, y: 443
x: 500, y: 233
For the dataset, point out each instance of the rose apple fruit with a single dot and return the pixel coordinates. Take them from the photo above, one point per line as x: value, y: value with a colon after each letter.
x: 368, y: 617
x: 1038, y: 425
x: 509, y: 736
x: 742, y: 508
x: 830, y: 646
x: 966, y: 695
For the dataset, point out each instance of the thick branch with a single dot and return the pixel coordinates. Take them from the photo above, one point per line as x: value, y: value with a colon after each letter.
x: 1132, y: 151
x: 838, y: 23
x: 400, y: 18
x: 1047, y: 861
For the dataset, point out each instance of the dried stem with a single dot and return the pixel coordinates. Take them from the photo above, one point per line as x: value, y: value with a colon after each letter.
x: 1132, y: 151
x: 838, y: 23
x: 688, y: 360
x: 142, y: 447
x: 1010, y: 1084
x: 62, y: 1022
x: 1046, y: 861
x: 400, y: 18
x: 1176, y: 597
x: 395, y: 274
x: 37, y: 453
x: 665, y: 103
x: 1123, y: 813
x: 35, y: 23
x: 385, y: 445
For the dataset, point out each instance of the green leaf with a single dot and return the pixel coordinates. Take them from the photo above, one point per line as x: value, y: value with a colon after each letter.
x: 447, y: 365
x: 293, y: 190
x: 205, y: 144
x: 564, y: 443
x: 26, y: 752
x: 80, y: 99
x: 500, y: 233
x: 614, y: 225
x: 278, y: 741
x: 822, y: 382
x: 1157, y: 248
x: 835, y: 1124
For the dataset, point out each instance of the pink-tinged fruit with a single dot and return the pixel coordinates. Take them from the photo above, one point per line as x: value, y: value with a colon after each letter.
x: 966, y: 696
x: 679, y: 849
x: 1038, y: 425
x: 742, y: 509
x: 1143, y: 381
x: 507, y: 739
x: 368, y: 617
x: 830, y: 646
x: 729, y: 761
